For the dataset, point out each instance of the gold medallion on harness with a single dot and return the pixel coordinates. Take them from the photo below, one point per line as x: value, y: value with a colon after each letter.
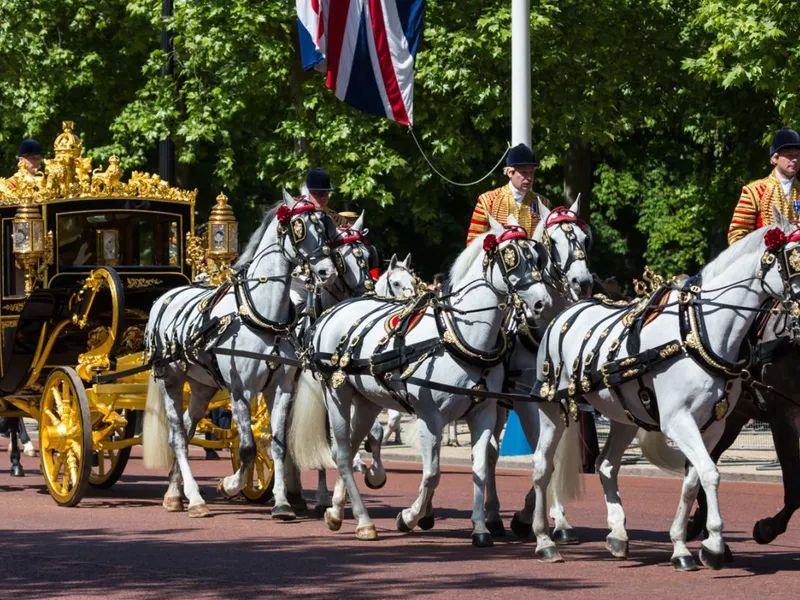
x: 794, y: 260
x: 669, y: 351
x: 546, y: 368
x: 335, y: 359
x: 572, y: 388
x: 337, y: 379
x: 544, y: 392
x: 573, y: 409
x: 721, y: 409
x: 345, y: 360
x: 586, y: 385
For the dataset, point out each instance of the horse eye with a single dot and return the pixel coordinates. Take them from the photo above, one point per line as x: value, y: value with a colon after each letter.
x: 396, y: 283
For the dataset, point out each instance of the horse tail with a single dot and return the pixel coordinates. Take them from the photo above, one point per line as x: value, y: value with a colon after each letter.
x: 566, y: 484
x: 308, y: 441
x: 156, y: 450
x: 653, y: 445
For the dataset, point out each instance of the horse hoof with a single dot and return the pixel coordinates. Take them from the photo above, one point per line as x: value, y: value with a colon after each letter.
x: 549, y: 555
x: 221, y: 490
x: 694, y: 528
x: 402, y: 527
x: 173, y: 504
x: 426, y: 523
x: 728, y: 554
x: 332, y: 522
x: 371, y: 485
x: 319, y: 511
x: 711, y: 559
x: 283, y: 512
x: 496, y: 528
x: 763, y: 532
x: 366, y: 532
x: 617, y: 547
x: 16, y: 471
x: 482, y: 540
x: 520, y: 529
x: 199, y: 511
x: 565, y: 537
x: 684, y: 563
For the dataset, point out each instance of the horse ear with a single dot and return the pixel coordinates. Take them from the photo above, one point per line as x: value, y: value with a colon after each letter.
x: 544, y: 212
x: 779, y: 219
x: 393, y: 262
x: 512, y: 221
x: 494, y: 226
x: 576, y: 206
x: 407, y: 261
x: 287, y: 198
x: 359, y: 224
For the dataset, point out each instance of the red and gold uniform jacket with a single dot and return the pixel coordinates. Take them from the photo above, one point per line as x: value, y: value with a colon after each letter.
x: 754, y: 209
x: 500, y: 203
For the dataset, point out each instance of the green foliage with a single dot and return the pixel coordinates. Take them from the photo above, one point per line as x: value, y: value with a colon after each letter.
x: 671, y: 146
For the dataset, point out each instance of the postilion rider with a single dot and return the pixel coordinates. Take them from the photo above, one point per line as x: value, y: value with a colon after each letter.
x: 780, y: 189
x: 515, y: 198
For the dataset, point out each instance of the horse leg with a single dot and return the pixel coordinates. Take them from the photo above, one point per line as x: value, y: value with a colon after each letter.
x: 563, y: 532
x: 282, y: 466
x: 375, y: 475
x: 338, y: 403
x: 240, y: 412
x: 16, y: 465
x: 393, y: 426
x: 787, y: 447
x: 481, y: 422
x: 323, y: 495
x: 430, y: 440
x: 551, y: 428
x: 172, y: 394
x: 733, y: 426
x: 493, y: 521
x: 522, y: 522
x: 620, y: 436
x: 683, y: 430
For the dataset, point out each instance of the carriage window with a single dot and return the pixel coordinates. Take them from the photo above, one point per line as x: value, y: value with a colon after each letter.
x: 118, y: 238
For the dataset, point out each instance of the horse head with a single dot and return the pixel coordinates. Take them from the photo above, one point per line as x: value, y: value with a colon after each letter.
x: 398, y: 281
x: 306, y: 237
x: 353, y: 258
x: 567, y: 241
x: 513, y: 264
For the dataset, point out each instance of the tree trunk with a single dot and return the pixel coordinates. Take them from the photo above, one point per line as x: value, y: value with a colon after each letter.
x: 578, y: 175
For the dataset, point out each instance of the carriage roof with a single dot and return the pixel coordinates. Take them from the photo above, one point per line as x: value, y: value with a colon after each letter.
x: 69, y: 176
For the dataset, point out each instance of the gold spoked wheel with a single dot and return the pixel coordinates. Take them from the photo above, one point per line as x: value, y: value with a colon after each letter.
x: 65, y: 432
x: 108, y: 464
x: 259, y: 476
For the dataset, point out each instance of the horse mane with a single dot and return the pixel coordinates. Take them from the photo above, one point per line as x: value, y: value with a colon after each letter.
x: 252, y: 245
x: 468, y: 256
x: 735, y: 252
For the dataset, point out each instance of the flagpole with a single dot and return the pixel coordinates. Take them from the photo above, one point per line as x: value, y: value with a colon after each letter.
x: 520, y: 72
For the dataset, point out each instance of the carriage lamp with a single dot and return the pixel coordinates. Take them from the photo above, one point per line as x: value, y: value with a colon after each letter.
x: 223, y: 237
x: 28, y: 240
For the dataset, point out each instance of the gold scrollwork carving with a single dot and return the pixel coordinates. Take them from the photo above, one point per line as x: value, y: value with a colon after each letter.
x: 141, y: 282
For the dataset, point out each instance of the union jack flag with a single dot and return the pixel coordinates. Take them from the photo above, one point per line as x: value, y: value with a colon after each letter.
x: 367, y: 49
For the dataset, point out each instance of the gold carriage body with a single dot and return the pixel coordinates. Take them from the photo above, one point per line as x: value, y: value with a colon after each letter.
x: 85, y: 255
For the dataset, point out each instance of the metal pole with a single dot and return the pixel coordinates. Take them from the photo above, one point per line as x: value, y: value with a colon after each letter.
x: 520, y: 72
x: 166, y: 147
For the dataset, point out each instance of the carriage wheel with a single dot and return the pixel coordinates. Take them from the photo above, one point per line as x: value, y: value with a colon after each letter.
x: 108, y: 465
x: 65, y: 432
x: 259, y: 476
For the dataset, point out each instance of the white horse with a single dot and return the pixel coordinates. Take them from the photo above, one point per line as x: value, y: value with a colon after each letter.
x: 454, y: 342
x: 679, y: 373
x: 351, y: 256
x: 188, y: 325
x: 397, y: 281
x: 566, y: 241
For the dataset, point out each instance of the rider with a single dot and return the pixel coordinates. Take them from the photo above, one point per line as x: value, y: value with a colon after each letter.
x: 779, y: 189
x: 318, y: 184
x: 349, y: 214
x: 515, y: 198
x: 30, y: 152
